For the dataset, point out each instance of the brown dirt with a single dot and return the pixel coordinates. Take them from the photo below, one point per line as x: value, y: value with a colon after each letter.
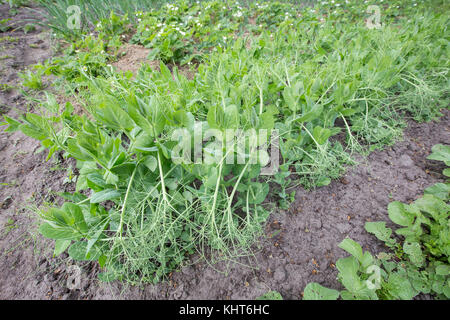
x: 304, y: 251
x: 132, y: 58
x: 25, y: 177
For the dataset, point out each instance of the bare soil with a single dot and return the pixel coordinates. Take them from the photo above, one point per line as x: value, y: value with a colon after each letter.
x: 304, y: 249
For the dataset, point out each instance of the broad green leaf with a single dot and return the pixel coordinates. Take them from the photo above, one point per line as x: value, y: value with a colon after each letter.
x: 87, y: 167
x: 61, y: 246
x: 51, y: 104
x: 211, y: 179
x: 112, y: 114
x: 76, y: 215
x: 314, y: 291
x: 443, y: 270
x: 380, y: 231
x: 32, y: 132
x: 352, y: 247
x: 432, y: 205
x: 78, y: 251
x: 232, y: 117
x: 446, y: 172
x: 348, y: 273
x: 314, y: 113
x: 440, y: 152
x: 57, y: 233
x: 400, y: 287
x: 321, y: 134
x: 257, y: 192
x: 439, y: 190
x: 399, y: 215
x: 107, y: 276
x: 108, y: 194
x: 102, y: 260
x: 151, y: 163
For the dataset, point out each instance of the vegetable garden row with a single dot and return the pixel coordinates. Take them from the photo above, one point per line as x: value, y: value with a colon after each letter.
x: 317, y: 74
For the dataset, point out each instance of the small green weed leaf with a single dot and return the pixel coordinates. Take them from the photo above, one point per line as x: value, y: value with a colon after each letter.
x: 271, y: 295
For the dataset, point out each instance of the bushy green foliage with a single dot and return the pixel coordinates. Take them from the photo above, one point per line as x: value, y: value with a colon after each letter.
x: 418, y: 263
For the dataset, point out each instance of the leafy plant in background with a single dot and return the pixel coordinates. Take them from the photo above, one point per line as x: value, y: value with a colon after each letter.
x: 4, y: 25
x: 32, y: 80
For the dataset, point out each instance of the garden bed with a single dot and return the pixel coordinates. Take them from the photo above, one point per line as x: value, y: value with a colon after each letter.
x: 298, y: 245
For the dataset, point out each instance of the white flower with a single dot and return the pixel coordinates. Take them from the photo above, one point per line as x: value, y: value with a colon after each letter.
x: 237, y: 14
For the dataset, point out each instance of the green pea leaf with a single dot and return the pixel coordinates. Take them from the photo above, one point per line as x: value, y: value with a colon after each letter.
x: 104, y: 195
